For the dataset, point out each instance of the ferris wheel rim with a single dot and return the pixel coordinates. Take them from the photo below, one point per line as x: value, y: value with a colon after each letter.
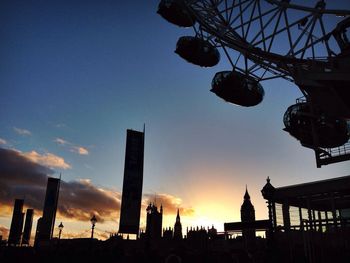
x: 309, y: 9
x: 280, y: 64
x: 339, y: 12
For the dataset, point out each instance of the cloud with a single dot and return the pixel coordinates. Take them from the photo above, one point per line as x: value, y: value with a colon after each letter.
x: 61, y: 141
x: 4, y: 231
x: 73, y: 148
x: 47, y: 159
x: 80, y: 150
x: 169, y: 202
x: 2, y: 141
x: 23, y: 132
x: 60, y: 125
x: 97, y: 234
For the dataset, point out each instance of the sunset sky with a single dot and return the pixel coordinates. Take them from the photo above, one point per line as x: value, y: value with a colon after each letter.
x: 74, y: 75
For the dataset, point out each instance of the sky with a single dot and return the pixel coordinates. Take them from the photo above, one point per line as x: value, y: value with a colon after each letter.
x: 76, y: 74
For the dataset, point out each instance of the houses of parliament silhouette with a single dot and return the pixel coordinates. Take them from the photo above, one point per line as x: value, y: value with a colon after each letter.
x: 306, y: 223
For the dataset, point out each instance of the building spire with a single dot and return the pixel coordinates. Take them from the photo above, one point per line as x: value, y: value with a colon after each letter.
x: 246, y: 195
x: 178, y: 227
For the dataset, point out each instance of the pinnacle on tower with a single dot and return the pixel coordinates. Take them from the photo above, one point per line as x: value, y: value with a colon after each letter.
x: 246, y: 195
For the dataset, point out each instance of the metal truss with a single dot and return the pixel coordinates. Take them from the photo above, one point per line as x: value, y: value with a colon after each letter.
x: 269, y: 38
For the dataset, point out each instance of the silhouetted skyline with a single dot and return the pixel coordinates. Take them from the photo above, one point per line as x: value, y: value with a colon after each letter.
x: 76, y: 74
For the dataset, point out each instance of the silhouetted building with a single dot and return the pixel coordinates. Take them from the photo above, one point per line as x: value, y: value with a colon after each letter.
x: 311, y: 219
x: 16, y: 223
x: 212, y: 232
x: 154, y: 222
x: 132, y: 183
x: 197, y: 238
x: 168, y: 234
x: 36, y: 238
x: 46, y: 225
x: 248, y: 216
x: 178, y: 227
x: 27, y: 227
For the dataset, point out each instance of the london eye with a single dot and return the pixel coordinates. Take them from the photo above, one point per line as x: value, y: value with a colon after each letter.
x: 304, y: 43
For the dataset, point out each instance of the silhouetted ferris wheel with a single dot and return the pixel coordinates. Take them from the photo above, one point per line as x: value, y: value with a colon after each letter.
x: 266, y: 39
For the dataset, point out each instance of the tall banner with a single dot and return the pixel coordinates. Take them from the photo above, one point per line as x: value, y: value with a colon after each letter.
x: 132, y: 183
x: 50, y: 207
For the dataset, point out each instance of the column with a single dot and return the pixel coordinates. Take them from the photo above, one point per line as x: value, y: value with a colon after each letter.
x: 334, y: 212
x: 274, y: 215
x: 286, y: 216
x: 314, y: 223
x: 319, y: 221
x: 309, y: 212
x: 301, y: 219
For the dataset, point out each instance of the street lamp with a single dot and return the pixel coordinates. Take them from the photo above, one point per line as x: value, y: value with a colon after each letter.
x: 93, y: 221
x: 60, y: 227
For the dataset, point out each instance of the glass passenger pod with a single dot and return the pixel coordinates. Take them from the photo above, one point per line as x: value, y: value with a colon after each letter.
x: 237, y: 88
x: 330, y: 132
x: 175, y: 12
x: 197, y: 51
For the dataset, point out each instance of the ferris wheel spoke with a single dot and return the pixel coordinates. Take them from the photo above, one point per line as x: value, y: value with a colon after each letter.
x: 288, y: 30
x: 261, y: 24
x: 310, y: 36
x: 265, y: 26
x: 275, y: 29
x: 227, y: 12
x: 227, y: 15
x: 304, y: 31
x: 312, y: 44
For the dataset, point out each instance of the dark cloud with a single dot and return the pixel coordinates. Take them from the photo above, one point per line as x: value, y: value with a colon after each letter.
x: 80, y: 199
x: 22, y: 178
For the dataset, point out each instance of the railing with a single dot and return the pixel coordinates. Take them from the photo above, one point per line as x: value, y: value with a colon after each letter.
x: 333, y: 155
x: 341, y: 150
x: 319, y: 225
x: 326, y: 156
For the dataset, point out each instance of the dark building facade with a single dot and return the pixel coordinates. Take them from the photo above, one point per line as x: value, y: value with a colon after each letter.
x: 168, y: 233
x: 27, y: 227
x: 311, y: 220
x: 178, y: 227
x: 132, y: 183
x: 154, y: 222
x: 16, y: 223
x: 46, y: 225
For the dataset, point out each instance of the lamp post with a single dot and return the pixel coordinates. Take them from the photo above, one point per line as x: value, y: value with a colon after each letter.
x: 93, y: 221
x: 60, y: 228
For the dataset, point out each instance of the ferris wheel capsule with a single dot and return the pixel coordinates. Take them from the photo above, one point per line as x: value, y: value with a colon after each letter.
x: 330, y: 132
x: 236, y: 88
x: 197, y: 51
x: 174, y: 11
